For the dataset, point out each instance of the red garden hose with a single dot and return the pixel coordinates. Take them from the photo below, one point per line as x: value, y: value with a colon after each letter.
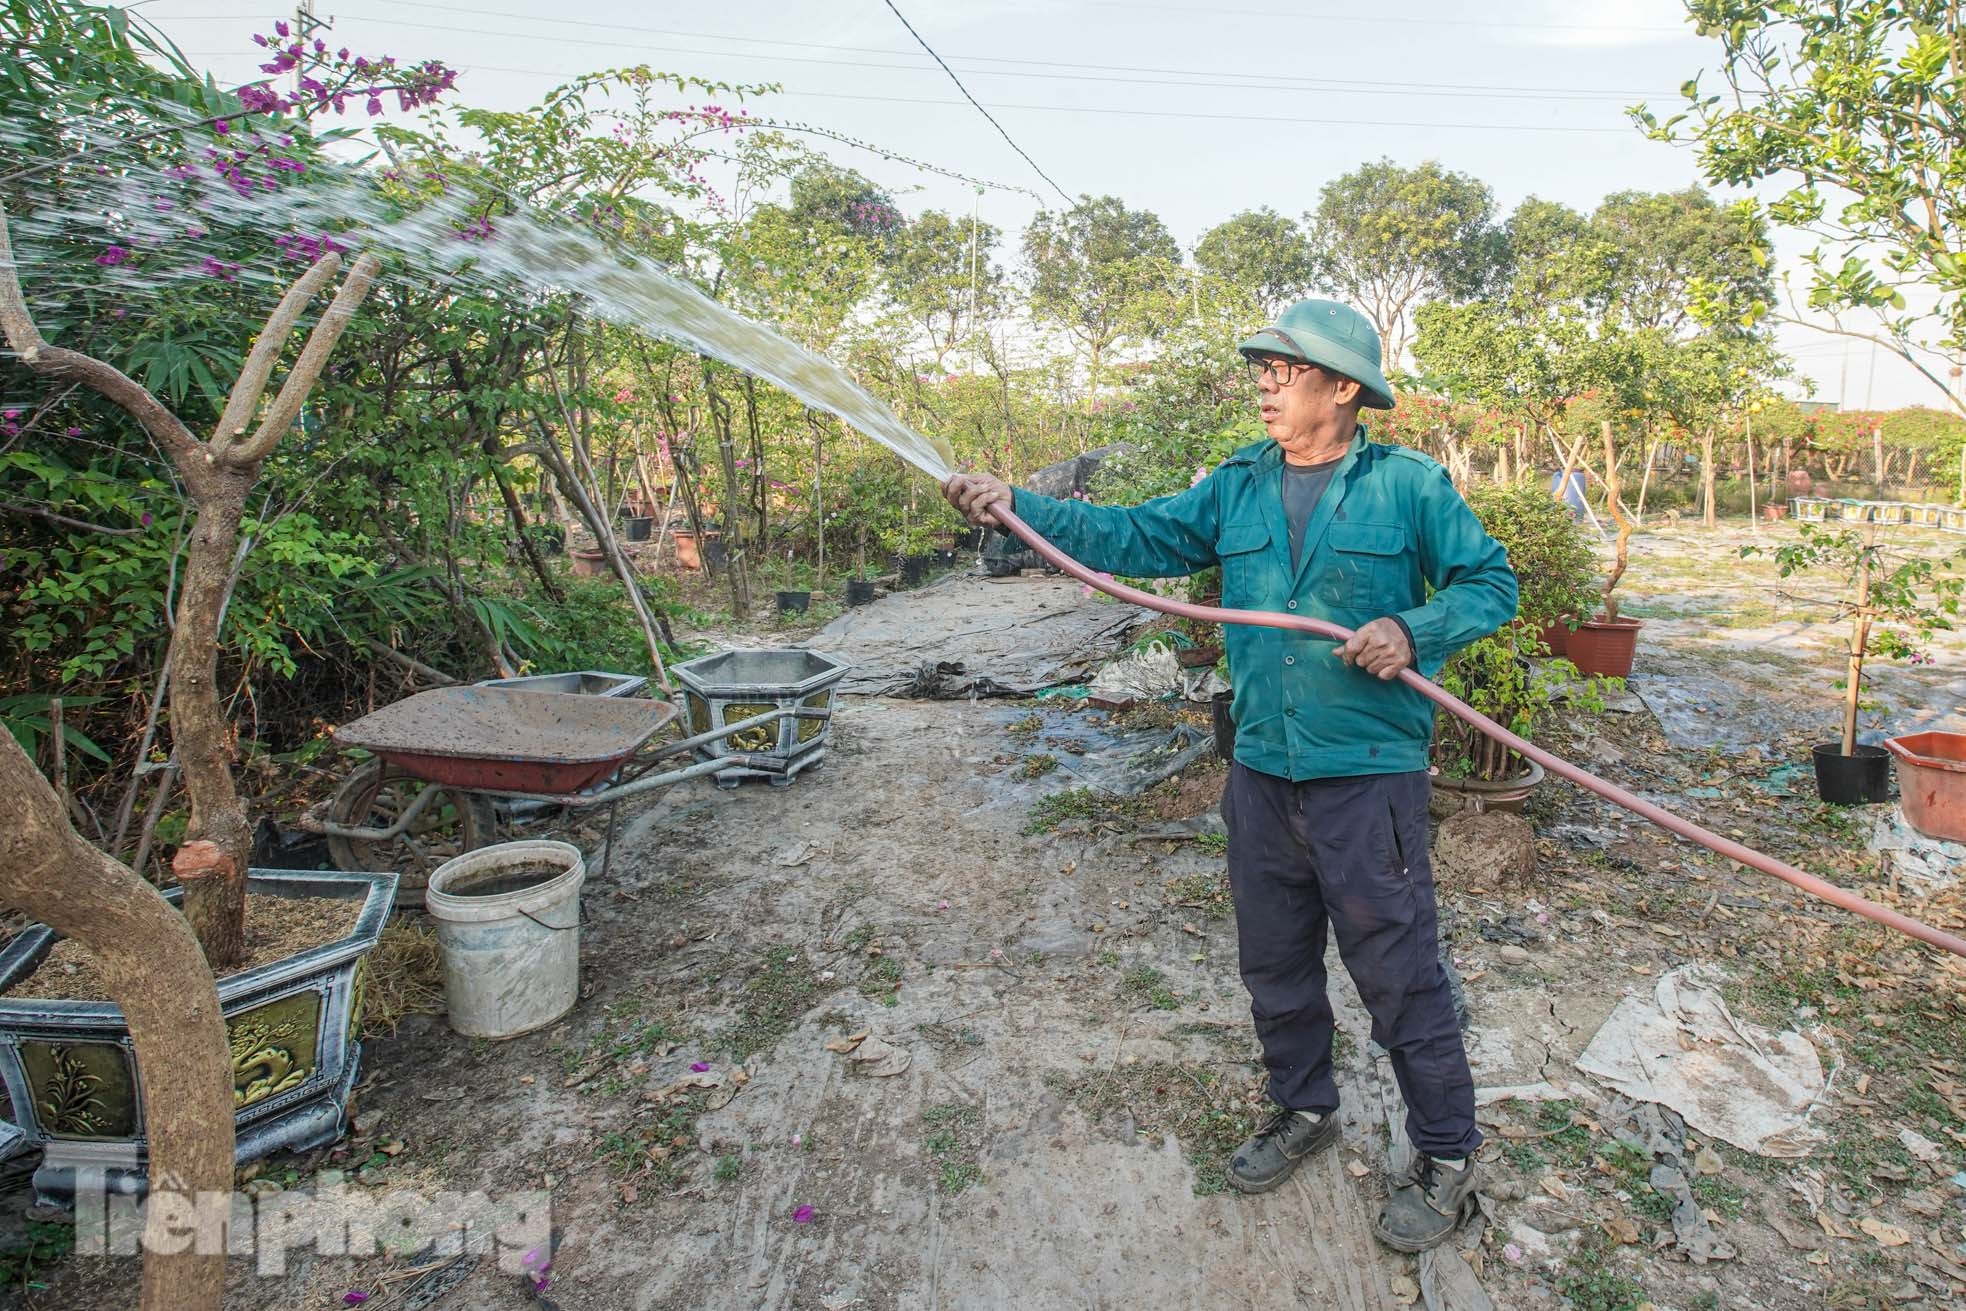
x: 1727, y: 847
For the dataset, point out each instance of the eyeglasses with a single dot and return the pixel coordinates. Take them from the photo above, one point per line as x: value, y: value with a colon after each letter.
x: 1275, y: 366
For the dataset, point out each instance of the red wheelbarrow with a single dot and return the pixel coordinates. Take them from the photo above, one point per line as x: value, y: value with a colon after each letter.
x: 446, y: 763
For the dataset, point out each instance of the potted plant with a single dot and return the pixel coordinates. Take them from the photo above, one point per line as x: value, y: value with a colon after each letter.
x: 274, y: 1041
x: 1556, y: 576
x: 1605, y: 644
x: 1894, y: 603
x: 792, y: 581
x: 860, y: 585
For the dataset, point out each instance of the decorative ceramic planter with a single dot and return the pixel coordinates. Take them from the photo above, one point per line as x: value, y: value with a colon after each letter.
x: 1604, y: 647
x: 737, y: 685
x: 293, y: 1026
x: 1478, y: 794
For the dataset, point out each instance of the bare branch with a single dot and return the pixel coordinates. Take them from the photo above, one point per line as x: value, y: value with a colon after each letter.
x: 307, y: 369
x: 80, y: 525
x: 267, y: 349
x: 69, y: 366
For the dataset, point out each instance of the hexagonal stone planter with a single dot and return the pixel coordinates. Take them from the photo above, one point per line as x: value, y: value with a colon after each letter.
x: 293, y: 1027
x: 732, y: 686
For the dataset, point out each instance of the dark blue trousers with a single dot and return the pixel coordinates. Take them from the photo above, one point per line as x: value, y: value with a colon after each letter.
x: 1347, y: 856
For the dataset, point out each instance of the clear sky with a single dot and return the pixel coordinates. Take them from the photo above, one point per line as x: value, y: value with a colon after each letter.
x: 1192, y: 110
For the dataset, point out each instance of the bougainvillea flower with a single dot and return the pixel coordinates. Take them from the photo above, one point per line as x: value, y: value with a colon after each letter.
x: 802, y: 1216
x: 701, y: 1067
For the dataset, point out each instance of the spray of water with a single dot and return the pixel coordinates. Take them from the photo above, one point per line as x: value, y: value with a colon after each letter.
x: 156, y: 224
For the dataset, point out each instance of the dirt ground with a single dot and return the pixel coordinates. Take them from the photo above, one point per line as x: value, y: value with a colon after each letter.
x: 1059, y: 1054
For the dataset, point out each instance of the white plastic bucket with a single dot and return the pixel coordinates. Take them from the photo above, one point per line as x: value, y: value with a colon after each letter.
x: 511, y: 958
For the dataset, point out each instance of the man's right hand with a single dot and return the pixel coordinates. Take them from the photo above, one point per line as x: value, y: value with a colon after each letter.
x: 974, y: 493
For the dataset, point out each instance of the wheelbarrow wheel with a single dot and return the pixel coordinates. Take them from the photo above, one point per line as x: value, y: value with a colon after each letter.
x: 450, y: 825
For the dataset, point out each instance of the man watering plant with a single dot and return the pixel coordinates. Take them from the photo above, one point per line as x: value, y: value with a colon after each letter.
x: 1326, y: 803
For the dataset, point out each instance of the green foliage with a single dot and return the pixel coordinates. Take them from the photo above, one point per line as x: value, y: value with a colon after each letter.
x: 1261, y: 254
x: 1555, y: 572
x: 1387, y: 238
x: 1101, y: 272
x: 1912, y: 596
x: 1858, y: 102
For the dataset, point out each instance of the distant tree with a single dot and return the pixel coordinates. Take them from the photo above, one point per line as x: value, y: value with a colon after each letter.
x: 1660, y: 246
x: 1550, y: 256
x: 1261, y: 253
x: 940, y: 281
x: 1388, y: 239
x: 839, y: 197
x: 1102, y: 272
x: 1858, y: 105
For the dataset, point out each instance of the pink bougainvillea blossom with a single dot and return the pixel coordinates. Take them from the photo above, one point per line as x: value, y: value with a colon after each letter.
x: 802, y: 1216
x: 112, y: 256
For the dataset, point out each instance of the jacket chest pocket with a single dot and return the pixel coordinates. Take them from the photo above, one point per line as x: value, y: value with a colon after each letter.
x: 1241, y: 549
x: 1361, y: 564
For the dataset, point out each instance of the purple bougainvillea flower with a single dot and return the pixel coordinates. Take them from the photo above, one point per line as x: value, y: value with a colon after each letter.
x: 72, y: 432
x: 113, y: 256
x: 701, y: 1067
x: 221, y: 127
x: 354, y: 1297
x: 802, y: 1216
x: 280, y: 28
x: 145, y: 519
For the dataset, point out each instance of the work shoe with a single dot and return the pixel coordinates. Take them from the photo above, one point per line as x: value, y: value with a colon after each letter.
x: 1428, y: 1204
x: 1266, y: 1160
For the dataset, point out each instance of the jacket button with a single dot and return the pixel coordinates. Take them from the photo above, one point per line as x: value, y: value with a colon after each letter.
x: 1291, y: 711
x: 1290, y: 605
x: 1290, y: 660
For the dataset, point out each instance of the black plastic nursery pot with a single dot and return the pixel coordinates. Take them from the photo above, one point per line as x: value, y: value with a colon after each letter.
x: 1863, y: 779
x: 794, y: 602
x: 1223, y: 719
x: 859, y: 591
x: 638, y: 527
x: 914, y: 569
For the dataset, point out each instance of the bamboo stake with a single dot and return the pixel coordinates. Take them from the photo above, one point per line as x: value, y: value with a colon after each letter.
x: 1859, y: 639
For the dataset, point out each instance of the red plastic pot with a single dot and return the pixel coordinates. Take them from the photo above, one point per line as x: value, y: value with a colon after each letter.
x: 1604, y: 647
x: 1557, y: 637
x: 1932, y: 782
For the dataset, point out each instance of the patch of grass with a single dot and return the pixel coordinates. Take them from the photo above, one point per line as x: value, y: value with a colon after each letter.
x: 1207, y: 893
x: 954, y: 1139
x: 780, y: 989
x: 861, y: 935
x: 1047, y: 813
x: 658, y: 1150
x: 1717, y: 1194
x: 948, y: 1037
x: 1590, y: 1284
x: 1344, y: 1050
x: 41, y: 1245
x: 1215, y: 844
x: 1632, y: 1169
x: 1028, y: 726
x: 1192, y: 1103
x: 1145, y: 985
x: 729, y: 1166
x: 1037, y: 765
x: 882, y: 980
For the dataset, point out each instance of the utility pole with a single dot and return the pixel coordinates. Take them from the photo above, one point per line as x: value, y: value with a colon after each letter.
x: 975, y: 210
x: 303, y: 31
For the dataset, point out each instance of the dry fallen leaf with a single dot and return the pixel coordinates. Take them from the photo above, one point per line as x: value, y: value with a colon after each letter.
x: 1887, y: 1235
x: 847, y: 1043
x: 1622, y: 1230
x: 1552, y: 1185
x: 1405, y: 1290
x: 1357, y: 1169
x: 881, y: 1059
x: 1707, y: 1161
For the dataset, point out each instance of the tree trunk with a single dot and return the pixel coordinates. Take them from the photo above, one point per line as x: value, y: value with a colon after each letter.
x: 1859, y: 644
x: 1612, y: 502
x: 1711, y: 518
x: 1645, y: 479
x: 201, y: 739
x: 152, y: 968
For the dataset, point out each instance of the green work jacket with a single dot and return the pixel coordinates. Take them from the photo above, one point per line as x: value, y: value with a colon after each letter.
x: 1391, y: 537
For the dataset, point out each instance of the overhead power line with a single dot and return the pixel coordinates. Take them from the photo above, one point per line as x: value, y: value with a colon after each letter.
x: 972, y: 100
x: 1202, y: 78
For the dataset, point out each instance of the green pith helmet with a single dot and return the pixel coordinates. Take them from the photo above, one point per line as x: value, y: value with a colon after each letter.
x: 1333, y: 335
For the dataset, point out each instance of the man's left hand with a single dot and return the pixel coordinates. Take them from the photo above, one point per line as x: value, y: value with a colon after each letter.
x: 1379, y: 648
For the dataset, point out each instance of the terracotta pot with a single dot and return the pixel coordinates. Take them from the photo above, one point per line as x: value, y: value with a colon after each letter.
x: 590, y: 564
x: 687, y: 556
x: 1197, y: 657
x: 1773, y: 513
x: 1604, y: 647
x: 1932, y: 782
